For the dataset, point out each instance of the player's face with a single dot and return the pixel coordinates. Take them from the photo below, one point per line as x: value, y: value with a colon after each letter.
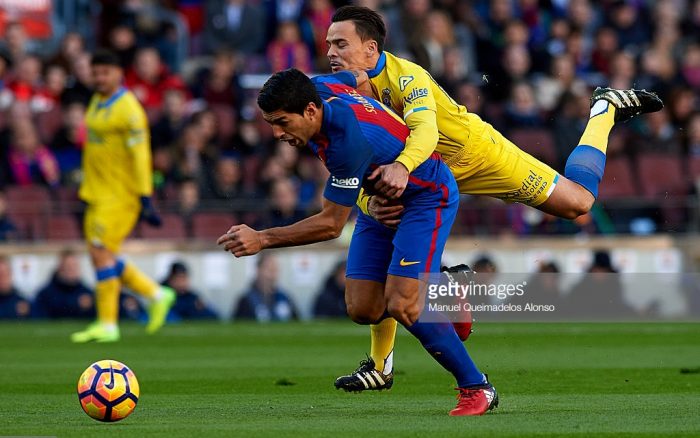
x: 346, y: 51
x: 295, y: 129
x: 107, y: 78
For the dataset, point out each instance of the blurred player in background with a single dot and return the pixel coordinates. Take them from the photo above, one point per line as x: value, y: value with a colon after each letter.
x: 352, y: 135
x: 116, y: 186
x: 482, y: 160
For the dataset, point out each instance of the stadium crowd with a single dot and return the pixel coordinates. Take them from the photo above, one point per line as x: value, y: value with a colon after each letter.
x: 527, y: 67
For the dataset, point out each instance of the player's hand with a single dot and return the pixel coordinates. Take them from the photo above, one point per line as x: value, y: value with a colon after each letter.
x: 385, y: 211
x: 391, y: 179
x: 149, y: 213
x: 241, y: 240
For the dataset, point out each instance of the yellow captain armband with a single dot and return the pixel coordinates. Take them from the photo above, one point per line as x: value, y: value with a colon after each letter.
x: 363, y: 201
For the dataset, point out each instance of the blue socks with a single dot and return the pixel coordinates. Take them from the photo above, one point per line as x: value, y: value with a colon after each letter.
x: 441, y: 341
x: 585, y: 166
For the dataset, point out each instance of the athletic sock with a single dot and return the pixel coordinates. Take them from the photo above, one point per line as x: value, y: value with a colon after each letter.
x: 137, y: 281
x: 107, y: 296
x: 586, y: 163
x: 382, y: 337
x: 442, y: 342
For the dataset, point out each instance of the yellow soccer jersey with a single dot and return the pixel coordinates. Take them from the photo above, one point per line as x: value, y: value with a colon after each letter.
x: 414, y: 95
x: 117, y: 154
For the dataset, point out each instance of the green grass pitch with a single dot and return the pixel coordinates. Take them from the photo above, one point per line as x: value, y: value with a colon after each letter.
x: 277, y: 380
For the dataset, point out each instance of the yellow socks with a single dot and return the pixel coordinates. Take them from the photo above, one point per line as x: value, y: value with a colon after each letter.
x: 107, y: 296
x: 382, y: 344
x: 599, y: 125
x: 137, y: 281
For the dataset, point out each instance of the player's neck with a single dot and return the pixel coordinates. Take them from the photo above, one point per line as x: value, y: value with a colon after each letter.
x: 110, y: 93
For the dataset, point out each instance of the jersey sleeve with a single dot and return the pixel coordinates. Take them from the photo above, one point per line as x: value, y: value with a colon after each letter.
x: 420, y: 115
x: 139, y: 145
x: 347, y: 163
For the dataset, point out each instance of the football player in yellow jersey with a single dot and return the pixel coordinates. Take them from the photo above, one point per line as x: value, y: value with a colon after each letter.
x: 117, y: 187
x: 482, y: 160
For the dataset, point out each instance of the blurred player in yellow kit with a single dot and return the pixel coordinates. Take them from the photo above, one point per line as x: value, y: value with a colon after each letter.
x: 481, y: 159
x: 117, y: 187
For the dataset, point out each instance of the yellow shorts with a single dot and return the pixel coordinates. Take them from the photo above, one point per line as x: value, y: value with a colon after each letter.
x: 491, y: 165
x: 108, y: 225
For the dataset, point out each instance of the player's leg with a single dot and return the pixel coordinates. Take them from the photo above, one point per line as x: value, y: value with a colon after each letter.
x: 575, y: 194
x: 496, y: 167
x: 160, y: 298
x: 418, y: 246
x: 108, y: 286
x: 368, y: 259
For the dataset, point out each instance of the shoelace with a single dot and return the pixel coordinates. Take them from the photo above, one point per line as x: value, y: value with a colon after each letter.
x: 467, y: 397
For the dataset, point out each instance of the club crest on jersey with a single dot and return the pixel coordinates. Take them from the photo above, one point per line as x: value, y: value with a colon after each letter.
x: 416, y: 93
x: 404, y: 81
x: 386, y: 97
x: 345, y: 183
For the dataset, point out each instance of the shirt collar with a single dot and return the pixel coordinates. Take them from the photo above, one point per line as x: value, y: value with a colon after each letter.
x: 381, y: 63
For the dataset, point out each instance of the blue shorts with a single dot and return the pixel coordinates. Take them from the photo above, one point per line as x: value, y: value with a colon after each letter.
x: 416, y: 246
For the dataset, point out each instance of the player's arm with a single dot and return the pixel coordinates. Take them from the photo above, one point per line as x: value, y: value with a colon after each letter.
x: 420, y: 115
x: 241, y: 240
x: 138, y: 143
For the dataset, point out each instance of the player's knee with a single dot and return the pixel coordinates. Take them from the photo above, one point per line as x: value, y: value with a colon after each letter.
x: 403, y: 311
x: 364, y: 314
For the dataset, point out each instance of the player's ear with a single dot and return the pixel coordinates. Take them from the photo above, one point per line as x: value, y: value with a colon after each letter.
x: 371, y: 48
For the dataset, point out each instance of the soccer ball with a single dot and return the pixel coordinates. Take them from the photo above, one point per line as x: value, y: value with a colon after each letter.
x: 108, y: 391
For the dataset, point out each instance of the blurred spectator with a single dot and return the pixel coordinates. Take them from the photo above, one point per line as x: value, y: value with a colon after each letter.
x: 561, y: 79
x: 330, y: 302
x: 27, y: 80
x: 317, y: 19
x: 483, y: 264
x: 515, y: 67
x: 630, y: 21
x: 287, y: 50
x: 225, y: 183
x: 236, y: 25
x: 690, y: 67
x: 12, y: 305
x: 188, y: 197
x: 681, y: 103
x: 542, y: 289
x: 149, y: 79
x: 284, y: 205
x: 8, y: 229
x: 521, y: 109
x: 122, y: 41
x: 658, y: 135
x: 172, y: 121
x: 188, y: 304
x: 48, y: 96
x: 265, y: 301
x: 219, y: 85
x: 599, y: 293
x: 17, y: 43
x: 67, y: 144
x: 79, y: 86
x: 131, y: 308
x: 65, y: 295
x: 31, y: 162
x: 606, y: 44
x: 693, y: 136
x: 193, y: 155
x: 72, y: 46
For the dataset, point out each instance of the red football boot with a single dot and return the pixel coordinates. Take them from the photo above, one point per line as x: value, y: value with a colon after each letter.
x: 475, y: 400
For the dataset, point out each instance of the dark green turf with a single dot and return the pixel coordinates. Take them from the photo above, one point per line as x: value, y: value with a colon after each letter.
x: 224, y: 380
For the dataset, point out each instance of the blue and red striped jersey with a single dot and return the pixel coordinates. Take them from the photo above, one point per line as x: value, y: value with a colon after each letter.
x: 357, y: 135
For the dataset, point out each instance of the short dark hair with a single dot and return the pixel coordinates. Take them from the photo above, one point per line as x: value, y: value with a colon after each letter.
x: 105, y: 57
x: 368, y: 23
x: 288, y: 90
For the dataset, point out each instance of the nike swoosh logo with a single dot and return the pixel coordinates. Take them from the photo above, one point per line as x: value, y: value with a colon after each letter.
x: 110, y: 385
x: 405, y: 263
